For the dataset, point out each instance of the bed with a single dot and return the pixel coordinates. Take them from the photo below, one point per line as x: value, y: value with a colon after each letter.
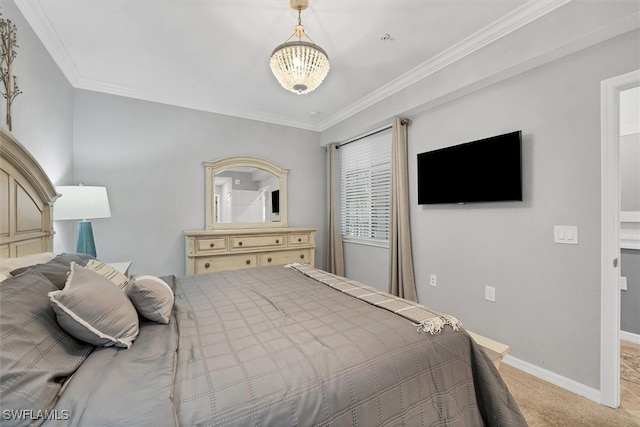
x: 26, y: 196
x: 269, y: 346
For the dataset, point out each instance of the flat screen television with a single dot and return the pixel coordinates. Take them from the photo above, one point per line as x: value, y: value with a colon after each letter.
x: 275, y: 201
x: 486, y: 170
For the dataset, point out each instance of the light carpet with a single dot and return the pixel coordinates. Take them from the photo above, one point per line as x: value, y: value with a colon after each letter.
x: 546, y: 405
x: 630, y: 366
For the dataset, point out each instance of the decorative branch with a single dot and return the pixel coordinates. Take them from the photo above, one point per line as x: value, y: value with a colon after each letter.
x: 8, y: 53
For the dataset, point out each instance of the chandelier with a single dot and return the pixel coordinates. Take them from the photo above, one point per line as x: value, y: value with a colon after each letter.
x: 299, y: 66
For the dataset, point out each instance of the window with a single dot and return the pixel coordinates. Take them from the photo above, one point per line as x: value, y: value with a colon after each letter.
x: 365, y: 188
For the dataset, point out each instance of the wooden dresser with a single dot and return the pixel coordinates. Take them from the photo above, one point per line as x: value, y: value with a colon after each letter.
x: 232, y: 249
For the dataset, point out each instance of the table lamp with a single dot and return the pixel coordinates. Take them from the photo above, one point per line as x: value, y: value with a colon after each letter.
x: 82, y: 202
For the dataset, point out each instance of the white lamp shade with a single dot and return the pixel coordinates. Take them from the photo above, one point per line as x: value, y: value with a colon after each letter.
x: 81, y: 202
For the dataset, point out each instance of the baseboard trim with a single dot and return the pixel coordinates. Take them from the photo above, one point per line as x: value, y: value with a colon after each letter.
x: 630, y: 337
x: 555, y: 379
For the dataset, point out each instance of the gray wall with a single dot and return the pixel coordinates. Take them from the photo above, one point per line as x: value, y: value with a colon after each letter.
x: 149, y: 156
x: 246, y: 181
x: 367, y: 264
x: 630, y: 258
x: 43, y: 114
x: 630, y: 172
x: 630, y: 299
x: 547, y: 295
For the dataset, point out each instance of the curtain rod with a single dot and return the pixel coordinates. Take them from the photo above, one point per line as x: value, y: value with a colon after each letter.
x: 371, y: 133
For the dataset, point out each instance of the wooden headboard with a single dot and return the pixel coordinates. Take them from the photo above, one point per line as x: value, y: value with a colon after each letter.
x: 26, y: 199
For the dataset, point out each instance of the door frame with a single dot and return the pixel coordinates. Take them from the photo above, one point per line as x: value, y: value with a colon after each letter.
x: 610, y: 230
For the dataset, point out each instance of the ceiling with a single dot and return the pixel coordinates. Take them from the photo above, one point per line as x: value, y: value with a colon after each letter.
x: 213, y: 55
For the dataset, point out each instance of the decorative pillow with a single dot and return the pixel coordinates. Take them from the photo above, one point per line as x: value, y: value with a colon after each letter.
x: 36, y: 354
x: 91, y: 309
x: 117, y: 278
x: 57, y: 270
x: 7, y: 265
x: 152, y: 297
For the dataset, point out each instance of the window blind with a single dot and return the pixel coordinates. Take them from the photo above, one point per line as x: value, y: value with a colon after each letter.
x: 365, y: 188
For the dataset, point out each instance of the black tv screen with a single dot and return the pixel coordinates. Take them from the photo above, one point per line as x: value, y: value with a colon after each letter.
x: 275, y: 201
x: 486, y: 170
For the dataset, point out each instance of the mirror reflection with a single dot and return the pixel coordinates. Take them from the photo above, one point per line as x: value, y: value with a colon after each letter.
x: 246, y: 195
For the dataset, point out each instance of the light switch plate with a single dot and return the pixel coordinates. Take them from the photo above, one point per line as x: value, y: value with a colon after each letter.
x: 565, y: 234
x: 623, y: 283
x: 490, y: 293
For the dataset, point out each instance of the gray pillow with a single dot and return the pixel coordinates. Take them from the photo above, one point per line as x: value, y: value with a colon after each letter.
x: 36, y: 354
x: 152, y: 297
x: 93, y: 309
x: 57, y: 270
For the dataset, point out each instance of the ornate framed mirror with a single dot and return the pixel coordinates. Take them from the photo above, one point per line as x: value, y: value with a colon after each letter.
x: 245, y: 192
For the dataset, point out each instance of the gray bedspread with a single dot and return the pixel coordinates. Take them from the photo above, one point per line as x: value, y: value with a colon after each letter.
x: 270, y: 346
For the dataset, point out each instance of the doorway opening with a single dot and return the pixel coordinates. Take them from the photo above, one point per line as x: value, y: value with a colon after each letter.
x: 610, y: 231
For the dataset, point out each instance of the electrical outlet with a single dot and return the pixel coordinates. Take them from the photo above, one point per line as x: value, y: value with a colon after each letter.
x: 490, y: 293
x: 433, y: 280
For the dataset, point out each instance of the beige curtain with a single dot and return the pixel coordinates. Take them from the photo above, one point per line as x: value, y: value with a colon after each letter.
x: 335, y: 256
x: 401, y: 280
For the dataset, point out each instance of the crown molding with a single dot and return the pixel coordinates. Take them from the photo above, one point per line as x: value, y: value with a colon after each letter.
x: 163, y: 98
x: 504, y: 26
x: 525, y: 14
x: 36, y: 16
x: 39, y: 21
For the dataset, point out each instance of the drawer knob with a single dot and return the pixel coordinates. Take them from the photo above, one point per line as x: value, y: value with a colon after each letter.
x: 277, y: 240
x: 211, y: 245
x: 207, y: 265
x: 239, y: 243
x: 269, y: 259
x: 302, y: 256
x: 299, y: 239
x: 248, y: 261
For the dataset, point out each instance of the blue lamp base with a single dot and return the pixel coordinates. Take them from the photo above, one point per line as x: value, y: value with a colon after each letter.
x: 85, y: 243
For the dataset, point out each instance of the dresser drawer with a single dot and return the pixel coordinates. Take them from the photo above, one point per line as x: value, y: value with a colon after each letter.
x: 302, y: 256
x: 225, y: 262
x: 229, y: 249
x: 250, y: 242
x: 211, y: 245
x: 298, y: 239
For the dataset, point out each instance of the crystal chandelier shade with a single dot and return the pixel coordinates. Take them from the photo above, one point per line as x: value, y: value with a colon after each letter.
x: 299, y: 66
